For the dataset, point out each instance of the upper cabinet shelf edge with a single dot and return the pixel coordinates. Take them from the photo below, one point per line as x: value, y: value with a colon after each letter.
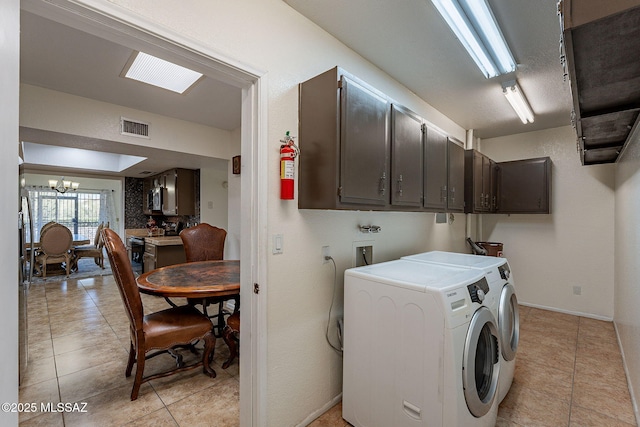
x: 599, y: 39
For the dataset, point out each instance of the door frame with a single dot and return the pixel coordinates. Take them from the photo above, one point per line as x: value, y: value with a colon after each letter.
x: 119, y: 25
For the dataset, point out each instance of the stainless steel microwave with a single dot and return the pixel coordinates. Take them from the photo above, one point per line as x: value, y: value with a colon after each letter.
x: 154, y: 199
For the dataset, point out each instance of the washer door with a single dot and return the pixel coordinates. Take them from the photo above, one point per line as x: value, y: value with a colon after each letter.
x: 508, y: 322
x: 480, y: 362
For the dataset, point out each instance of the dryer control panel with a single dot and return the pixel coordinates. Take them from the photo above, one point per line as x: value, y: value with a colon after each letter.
x: 505, y: 271
x: 478, y: 290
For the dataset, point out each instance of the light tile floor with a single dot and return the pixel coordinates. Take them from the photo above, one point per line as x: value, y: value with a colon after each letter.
x: 78, y: 344
x: 569, y: 372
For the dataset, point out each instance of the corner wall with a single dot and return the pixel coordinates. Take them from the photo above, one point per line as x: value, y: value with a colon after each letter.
x: 627, y: 265
x: 572, y: 246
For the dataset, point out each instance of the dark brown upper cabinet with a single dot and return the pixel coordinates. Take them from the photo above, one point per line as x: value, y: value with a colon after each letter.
x: 406, y: 157
x: 362, y: 151
x: 435, y: 170
x: 455, y: 176
x: 598, y: 48
x: 480, y: 183
x: 524, y: 186
x: 344, y: 143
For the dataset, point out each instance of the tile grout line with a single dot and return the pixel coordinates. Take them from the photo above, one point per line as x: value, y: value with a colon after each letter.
x: 573, y: 374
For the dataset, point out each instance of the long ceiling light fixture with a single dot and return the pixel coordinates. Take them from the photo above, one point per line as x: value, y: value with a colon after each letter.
x: 158, y: 72
x: 518, y: 101
x: 475, y: 26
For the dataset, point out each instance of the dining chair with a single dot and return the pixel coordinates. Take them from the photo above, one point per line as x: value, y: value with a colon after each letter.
x: 91, y: 251
x: 55, y: 248
x: 159, y: 332
x: 205, y: 242
x: 231, y: 336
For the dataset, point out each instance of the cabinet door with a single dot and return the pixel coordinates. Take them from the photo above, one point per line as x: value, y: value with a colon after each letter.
x: 169, y: 193
x: 147, y: 185
x: 435, y: 174
x: 524, y: 186
x: 455, y: 177
x: 406, y: 157
x: 364, y: 145
x: 479, y: 199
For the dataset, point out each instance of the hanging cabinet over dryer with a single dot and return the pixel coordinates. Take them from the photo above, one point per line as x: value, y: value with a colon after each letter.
x: 344, y: 140
x: 406, y: 157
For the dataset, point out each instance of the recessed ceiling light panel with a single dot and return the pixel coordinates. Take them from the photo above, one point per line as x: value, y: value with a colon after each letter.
x: 158, y: 72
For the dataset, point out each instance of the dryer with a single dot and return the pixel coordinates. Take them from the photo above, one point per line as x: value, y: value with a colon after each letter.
x: 501, y: 299
x: 420, y: 347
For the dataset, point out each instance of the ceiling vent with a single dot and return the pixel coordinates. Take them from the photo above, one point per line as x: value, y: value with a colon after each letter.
x: 133, y: 128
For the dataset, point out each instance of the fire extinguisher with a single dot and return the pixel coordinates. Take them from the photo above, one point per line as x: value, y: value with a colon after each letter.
x: 288, y: 152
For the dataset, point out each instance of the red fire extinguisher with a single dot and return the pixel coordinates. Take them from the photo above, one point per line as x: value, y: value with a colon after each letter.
x: 288, y: 153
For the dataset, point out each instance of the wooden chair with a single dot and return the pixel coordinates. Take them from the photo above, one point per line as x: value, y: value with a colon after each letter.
x: 231, y: 336
x: 55, y: 248
x: 91, y: 251
x: 160, y: 331
x: 205, y: 242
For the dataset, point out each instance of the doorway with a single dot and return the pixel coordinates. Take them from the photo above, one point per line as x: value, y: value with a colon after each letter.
x: 117, y: 25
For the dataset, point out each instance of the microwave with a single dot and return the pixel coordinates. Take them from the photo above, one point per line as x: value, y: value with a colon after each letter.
x: 154, y: 199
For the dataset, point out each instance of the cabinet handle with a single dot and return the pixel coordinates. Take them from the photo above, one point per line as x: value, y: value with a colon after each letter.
x: 400, y: 185
x: 453, y: 194
x: 383, y: 184
x: 443, y: 193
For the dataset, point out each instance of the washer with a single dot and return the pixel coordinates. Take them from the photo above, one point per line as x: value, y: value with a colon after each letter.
x: 420, y: 347
x: 501, y: 299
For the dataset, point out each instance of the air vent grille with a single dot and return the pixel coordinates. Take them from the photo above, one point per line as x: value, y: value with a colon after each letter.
x: 134, y: 128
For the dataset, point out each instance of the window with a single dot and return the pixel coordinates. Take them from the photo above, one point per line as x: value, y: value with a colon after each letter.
x: 80, y: 211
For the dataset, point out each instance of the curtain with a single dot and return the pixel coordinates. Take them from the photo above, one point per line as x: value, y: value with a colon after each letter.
x: 81, y: 211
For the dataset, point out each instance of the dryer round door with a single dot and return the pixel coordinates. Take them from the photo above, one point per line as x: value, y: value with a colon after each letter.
x: 481, y: 362
x: 508, y: 322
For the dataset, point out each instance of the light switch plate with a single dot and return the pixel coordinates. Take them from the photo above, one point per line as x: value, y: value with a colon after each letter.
x: 278, y: 240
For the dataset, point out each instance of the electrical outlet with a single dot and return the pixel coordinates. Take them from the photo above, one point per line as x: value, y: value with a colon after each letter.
x: 577, y: 290
x: 325, y: 254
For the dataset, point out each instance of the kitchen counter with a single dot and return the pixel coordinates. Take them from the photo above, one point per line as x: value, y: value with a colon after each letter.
x: 164, y: 240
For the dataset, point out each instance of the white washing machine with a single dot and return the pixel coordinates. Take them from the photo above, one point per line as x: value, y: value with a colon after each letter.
x: 501, y: 299
x: 420, y: 348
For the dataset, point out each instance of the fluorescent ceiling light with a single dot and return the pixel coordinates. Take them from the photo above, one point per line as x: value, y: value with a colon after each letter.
x: 158, y: 72
x: 475, y: 26
x: 518, y: 101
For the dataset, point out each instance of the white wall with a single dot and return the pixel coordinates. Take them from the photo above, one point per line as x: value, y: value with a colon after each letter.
x: 303, y: 372
x: 213, y: 196
x: 9, y: 80
x: 574, y: 245
x: 60, y: 112
x: 627, y: 264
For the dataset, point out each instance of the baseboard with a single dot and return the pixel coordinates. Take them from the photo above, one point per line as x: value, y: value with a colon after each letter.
x: 316, y: 414
x: 574, y: 313
x: 634, y: 402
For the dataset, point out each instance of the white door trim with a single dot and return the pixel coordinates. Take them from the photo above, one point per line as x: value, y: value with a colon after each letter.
x: 116, y: 24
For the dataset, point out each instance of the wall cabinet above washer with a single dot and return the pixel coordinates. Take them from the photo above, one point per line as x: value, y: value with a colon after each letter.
x: 360, y: 150
x: 344, y: 142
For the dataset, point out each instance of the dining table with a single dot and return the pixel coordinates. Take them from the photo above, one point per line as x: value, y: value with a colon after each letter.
x: 194, y: 280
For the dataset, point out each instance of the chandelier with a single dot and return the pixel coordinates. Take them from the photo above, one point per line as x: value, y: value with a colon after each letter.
x: 62, y: 185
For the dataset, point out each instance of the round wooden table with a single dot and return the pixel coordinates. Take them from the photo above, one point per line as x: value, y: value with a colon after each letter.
x: 204, y: 279
x: 196, y: 281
